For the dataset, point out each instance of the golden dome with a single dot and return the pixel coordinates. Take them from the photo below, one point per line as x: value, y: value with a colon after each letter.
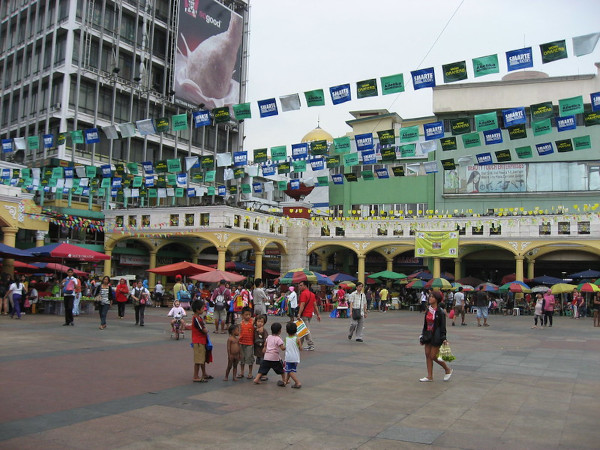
x: 318, y: 134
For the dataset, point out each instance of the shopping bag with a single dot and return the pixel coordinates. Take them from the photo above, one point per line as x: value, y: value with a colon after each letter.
x: 301, y: 328
x: 446, y: 353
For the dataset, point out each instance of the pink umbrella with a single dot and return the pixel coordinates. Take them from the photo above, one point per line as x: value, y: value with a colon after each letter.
x: 217, y: 275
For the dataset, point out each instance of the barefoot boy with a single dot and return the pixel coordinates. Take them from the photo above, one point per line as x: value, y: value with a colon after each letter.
x: 233, y: 351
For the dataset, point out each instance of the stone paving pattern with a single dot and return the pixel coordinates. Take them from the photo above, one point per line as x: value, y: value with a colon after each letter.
x: 130, y: 387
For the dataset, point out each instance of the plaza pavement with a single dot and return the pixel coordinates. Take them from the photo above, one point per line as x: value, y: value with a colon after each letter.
x: 130, y: 387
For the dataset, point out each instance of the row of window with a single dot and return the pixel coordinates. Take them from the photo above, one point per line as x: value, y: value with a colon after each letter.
x: 30, y: 103
x: 380, y: 210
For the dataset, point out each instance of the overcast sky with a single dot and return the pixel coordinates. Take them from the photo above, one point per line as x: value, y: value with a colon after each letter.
x: 296, y: 46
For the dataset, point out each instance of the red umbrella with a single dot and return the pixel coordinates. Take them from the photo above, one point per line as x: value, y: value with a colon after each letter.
x: 67, y: 251
x: 181, y: 268
x: 24, y: 267
x: 55, y: 267
x: 217, y: 275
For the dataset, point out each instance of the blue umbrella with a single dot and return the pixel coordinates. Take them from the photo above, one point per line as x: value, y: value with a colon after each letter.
x: 586, y: 274
x: 545, y: 279
x: 322, y: 279
x: 339, y: 277
x: 7, y: 251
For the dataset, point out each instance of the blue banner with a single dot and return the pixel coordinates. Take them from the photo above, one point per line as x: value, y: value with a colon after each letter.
x: 69, y: 172
x: 267, y: 108
x: 382, y: 173
x: 106, y: 171
x: 317, y: 164
x: 566, y: 123
x: 191, y: 192
x: 337, y: 178
x: 268, y: 171
x: 149, y: 181
x: 483, y: 159
x: 364, y: 141
x: 148, y: 167
x: 86, y: 192
x: 300, y: 151
x: 240, y: 158
x: 257, y: 188
x: 595, y: 101
x: 48, y: 140
x: 182, y: 179
x: 492, y: 136
x: 221, y: 190
x: 514, y: 116
x: 114, y: 192
x: 423, y: 78
x: 434, y: 130
x: 201, y: 118
x: 340, y: 94
x: 91, y: 136
x: 519, y: 59
x: 294, y: 185
x: 7, y: 145
x: 369, y: 157
x: 544, y: 149
x: 5, y: 174
x: 116, y: 182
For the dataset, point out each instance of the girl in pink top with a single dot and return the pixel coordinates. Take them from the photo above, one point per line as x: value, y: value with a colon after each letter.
x: 548, y: 308
x: 272, y: 360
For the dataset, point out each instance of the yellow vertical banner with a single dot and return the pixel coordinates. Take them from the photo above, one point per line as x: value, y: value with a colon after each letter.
x: 442, y: 244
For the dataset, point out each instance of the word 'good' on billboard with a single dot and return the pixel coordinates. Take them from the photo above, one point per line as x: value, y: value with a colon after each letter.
x: 209, y: 54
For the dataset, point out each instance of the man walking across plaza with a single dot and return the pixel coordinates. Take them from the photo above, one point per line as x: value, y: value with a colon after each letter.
x: 358, y: 306
x: 482, y: 302
x: 221, y: 297
x: 306, y: 310
x: 459, y: 306
x: 383, y: 295
x: 260, y: 298
x: 70, y: 288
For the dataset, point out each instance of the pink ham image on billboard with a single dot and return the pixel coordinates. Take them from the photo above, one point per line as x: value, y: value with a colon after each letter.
x: 208, y: 59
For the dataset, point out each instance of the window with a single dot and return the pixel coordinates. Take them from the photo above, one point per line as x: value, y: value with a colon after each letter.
x: 477, y: 230
x: 495, y: 229
x: 174, y: 220
x: 583, y: 228
x: 564, y: 228
x: 189, y: 220
x: 145, y: 220
x: 545, y: 229
x: 339, y: 231
x: 132, y: 221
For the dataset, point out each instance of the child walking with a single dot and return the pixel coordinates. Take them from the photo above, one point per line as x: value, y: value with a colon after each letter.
x: 271, y: 358
x: 260, y: 339
x: 539, y: 310
x: 246, y: 342
x: 233, y: 352
x: 199, y: 341
x: 292, y: 356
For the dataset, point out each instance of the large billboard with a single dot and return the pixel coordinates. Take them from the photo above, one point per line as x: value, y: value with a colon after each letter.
x: 209, y: 54
x: 496, y: 178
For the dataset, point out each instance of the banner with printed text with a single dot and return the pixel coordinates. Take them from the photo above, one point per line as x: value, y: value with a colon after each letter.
x: 441, y: 244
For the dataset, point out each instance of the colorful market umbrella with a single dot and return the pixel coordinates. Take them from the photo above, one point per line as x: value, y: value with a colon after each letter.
x: 181, y: 268
x: 467, y: 288
x: 488, y: 287
x: 456, y: 285
x: 597, y: 282
x: 67, y: 251
x: 339, y: 277
x: 439, y: 283
x: 297, y: 275
x: 562, y: 288
x: 422, y: 275
x: 347, y: 285
x: 416, y: 284
x: 388, y: 275
x: 541, y: 289
x: 515, y: 286
x: 588, y: 287
x: 217, y: 275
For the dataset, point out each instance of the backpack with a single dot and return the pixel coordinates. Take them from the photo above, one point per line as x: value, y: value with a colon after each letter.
x: 238, y: 303
x: 70, y: 287
x: 220, y: 301
x: 184, y: 296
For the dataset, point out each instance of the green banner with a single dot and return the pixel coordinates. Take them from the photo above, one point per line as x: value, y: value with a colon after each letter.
x: 319, y: 147
x: 171, y: 179
x: 541, y: 111
x: 386, y: 137
x: 161, y: 181
x: 221, y: 115
x: 471, y: 140
x: 553, y: 51
x: 163, y: 124
x: 487, y: 121
x: 210, y: 176
x: 278, y: 153
x: 283, y: 167
x: 485, y: 65
x: 207, y: 161
x: 282, y: 185
x: 441, y: 244
x: 299, y: 166
x: 174, y: 165
x: 315, y: 98
x: 367, y: 175
x: 392, y: 84
x: 409, y: 134
x: 408, y: 150
x: 448, y: 143
x: 246, y: 188
x: 33, y: 142
x: 460, y: 126
x: 448, y: 164
x: 582, y: 142
x: 242, y: 111
x: 564, y: 145
x: 366, y: 88
x: 132, y: 168
x: 524, y: 152
x: 198, y: 177
x: 503, y: 155
x: 180, y: 122
x: 388, y: 155
x: 137, y: 182
x: 455, y: 71
x: 323, y: 181
x: 161, y: 166
x: 351, y: 177
x: 233, y: 190
x: 106, y: 182
x: 570, y: 106
x: 211, y: 190
x: 239, y: 172
x: 342, y: 145
x: 57, y: 172
x: 333, y: 161
x: 261, y: 155
x: 119, y: 169
x: 517, y: 132
x: 179, y: 192
x: 541, y: 127
x: 592, y: 118
x: 350, y: 159
x: 77, y: 137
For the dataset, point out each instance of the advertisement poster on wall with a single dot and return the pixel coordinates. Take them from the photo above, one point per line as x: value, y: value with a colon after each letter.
x: 474, y: 179
x: 208, y: 58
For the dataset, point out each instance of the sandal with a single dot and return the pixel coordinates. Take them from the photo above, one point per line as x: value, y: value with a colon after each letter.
x: 200, y: 380
x: 296, y: 386
x: 250, y: 377
x: 209, y: 377
x: 280, y: 383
